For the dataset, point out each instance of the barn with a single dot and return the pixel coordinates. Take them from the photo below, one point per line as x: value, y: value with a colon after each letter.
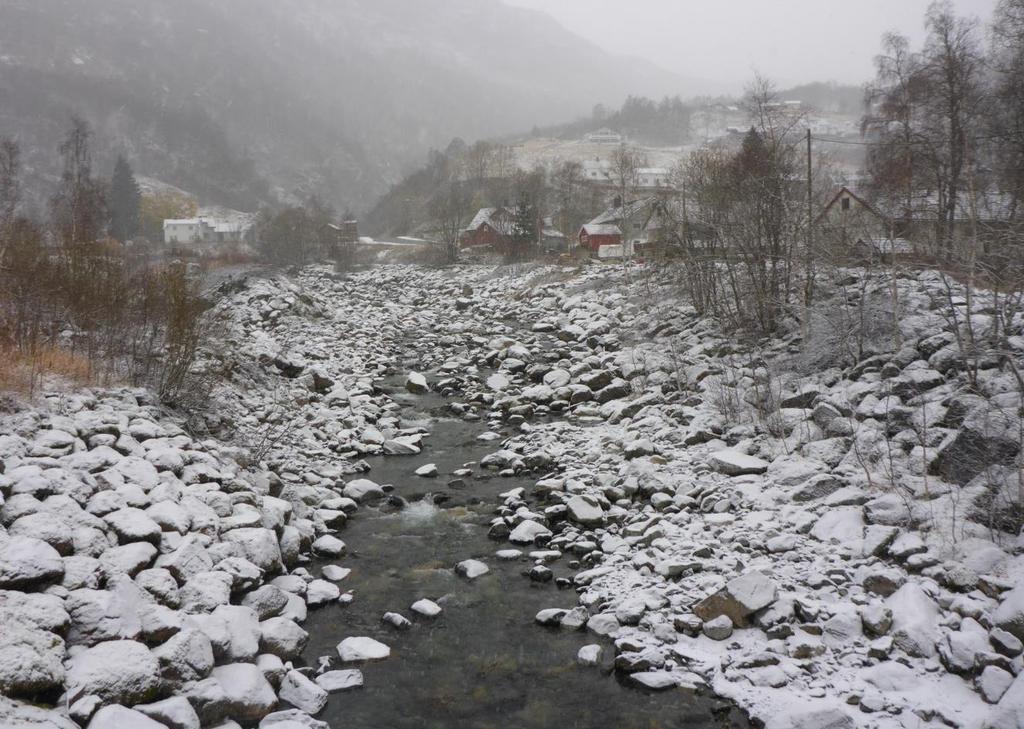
x: 595, y: 235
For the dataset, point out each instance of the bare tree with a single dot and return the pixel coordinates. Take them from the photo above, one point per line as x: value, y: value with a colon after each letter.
x: 924, y: 118
x: 10, y: 191
x: 450, y: 210
x: 78, y: 206
x: 1006, y: 119
x: 952, y: 66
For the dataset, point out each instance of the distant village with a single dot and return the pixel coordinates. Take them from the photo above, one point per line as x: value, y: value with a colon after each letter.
x: 641, y: 209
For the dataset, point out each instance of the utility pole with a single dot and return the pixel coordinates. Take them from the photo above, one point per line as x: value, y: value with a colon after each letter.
x: 810, y: 197
x: 809, y: 253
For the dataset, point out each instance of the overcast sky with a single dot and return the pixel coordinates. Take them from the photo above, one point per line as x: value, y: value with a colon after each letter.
x: 790, y: 41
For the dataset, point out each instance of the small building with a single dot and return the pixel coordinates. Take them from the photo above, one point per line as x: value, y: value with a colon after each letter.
x: 203, y: 231
x: 597, y: 171
x: 595, y: 235
x: 851, y: 226
x: 654, y: 178
x: 615, y: 252
x: 186, y: 231
x: 605, y: 136
x: 490, y: 227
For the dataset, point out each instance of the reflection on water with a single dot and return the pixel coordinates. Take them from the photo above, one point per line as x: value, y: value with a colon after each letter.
x: 483, y: 663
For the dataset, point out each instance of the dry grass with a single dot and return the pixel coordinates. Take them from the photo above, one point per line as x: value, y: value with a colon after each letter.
x: 21, y: 372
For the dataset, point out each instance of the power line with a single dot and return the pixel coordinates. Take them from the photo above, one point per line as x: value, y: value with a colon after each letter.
x: 912, y: 142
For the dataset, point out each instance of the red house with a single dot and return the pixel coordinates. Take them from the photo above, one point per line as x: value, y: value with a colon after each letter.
x: 593, y: 236
x: 491, y: 227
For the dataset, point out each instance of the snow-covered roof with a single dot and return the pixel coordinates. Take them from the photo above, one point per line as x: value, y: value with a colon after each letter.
x: 990, y: 205
x: 616, y: 214
x: 483, y: 216
x: 598, y: 229
x: 218, y: 226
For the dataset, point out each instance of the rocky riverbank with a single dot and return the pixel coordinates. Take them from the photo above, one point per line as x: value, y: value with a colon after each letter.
x: 828, y: 543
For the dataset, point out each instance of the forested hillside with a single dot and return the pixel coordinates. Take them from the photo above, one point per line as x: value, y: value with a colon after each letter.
x: 242, y: 101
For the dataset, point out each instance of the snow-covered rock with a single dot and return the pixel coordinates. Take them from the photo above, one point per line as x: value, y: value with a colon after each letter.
x: 734, y: 463
x: 362, y: 649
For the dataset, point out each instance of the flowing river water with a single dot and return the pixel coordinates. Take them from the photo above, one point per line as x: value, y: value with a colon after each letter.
x: 483, y: 663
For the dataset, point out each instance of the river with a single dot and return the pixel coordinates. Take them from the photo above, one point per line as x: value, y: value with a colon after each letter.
x: 483, y: 663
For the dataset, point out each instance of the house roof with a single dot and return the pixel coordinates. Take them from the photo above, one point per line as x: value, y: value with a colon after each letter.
x: 499, y: 218
x: 991, y: 205
x: 837, y: 195
x: 598, y: 229
x: 482, y: 216
x: 988, y: 205
x: 624, y: 212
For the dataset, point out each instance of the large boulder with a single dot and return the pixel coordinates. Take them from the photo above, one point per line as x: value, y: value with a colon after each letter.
x: 1010, y: 614
x: 302, y: 693
x: 112, y: 614
x: 116, y: 672
x: 915, y: 620
x: 282, y: 637
x: 133, y: 525
x: 31, y: 658
x: 988, y: 438
x: 187, y: 656
x: 362, y: 649
x: 21, y: 715
x: 26, y: 562
x: 189, y: 559
x: 585, y: 510
x: 528, y: 532
x: 739, y: 599
x: 1009, y: 712
x: 292, y: 719
x: 244, y: 630
x: 734, y: 463
x: 259, y: 546
x: 363, y: 489
x: 343, y: 680
x: 43, y: 611
x: 176, y: 713
x: 248, y: 695
x: 842, y: 526
x: 120, y: 717
x: 471, y: 569
x: 416, y: 383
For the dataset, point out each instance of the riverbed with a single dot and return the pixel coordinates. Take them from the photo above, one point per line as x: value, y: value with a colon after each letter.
x: 483, y: 663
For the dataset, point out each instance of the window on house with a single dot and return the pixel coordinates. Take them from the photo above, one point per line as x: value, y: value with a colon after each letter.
x: 845, y: 203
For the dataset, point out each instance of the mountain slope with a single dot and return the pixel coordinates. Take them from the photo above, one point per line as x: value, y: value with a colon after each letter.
x: 244, y: 100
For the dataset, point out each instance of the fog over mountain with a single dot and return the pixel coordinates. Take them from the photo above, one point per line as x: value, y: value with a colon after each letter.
x: 242, y: 101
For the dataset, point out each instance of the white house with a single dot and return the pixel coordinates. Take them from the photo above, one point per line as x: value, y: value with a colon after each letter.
x: 188, y: 230
x: 191, y: 231
x: 605, y: 136
x: 653, y: 177
x: 597, y: 170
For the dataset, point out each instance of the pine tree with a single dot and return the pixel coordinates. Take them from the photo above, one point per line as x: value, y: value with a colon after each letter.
x: 125, y: 201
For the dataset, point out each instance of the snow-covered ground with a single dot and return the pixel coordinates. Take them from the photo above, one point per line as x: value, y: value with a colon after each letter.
x: 824, y: 548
